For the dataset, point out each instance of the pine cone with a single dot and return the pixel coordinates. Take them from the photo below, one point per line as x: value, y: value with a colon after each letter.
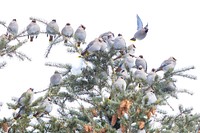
x: 5, y: 127
x: 114, y: 120
x: 123, y: 128
x: 87, y: 128
x: 141, y: 124
x: 94, y: 112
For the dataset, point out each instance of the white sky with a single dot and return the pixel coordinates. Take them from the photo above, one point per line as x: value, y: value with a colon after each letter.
x: 173, y: 31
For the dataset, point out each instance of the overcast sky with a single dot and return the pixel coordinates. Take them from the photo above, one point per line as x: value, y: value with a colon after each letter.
x: 173, y: 31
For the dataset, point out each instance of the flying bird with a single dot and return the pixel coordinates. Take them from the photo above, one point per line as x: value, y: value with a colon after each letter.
x: 141, y: 31
x: 52, y: 29
x: 33, y: 29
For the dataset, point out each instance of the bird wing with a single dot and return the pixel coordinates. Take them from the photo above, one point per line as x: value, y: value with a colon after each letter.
x: 21, y: 98
x: 165, y: 63
x: 139, y: 23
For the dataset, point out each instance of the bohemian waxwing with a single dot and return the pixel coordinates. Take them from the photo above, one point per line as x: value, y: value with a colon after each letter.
x: 167, y: 65
x: 55, y: 79
x: 12, y: 29
x: 33, y: 29
x: 141, y: 31
x: 67, y: 32
x: 52, y: 29
x: 141, y: 61
x: 80, y: 35
x: 47, y: 105
x: 28, y: 95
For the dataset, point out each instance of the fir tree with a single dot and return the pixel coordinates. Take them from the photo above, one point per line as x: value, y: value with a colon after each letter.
x: 101, y: 103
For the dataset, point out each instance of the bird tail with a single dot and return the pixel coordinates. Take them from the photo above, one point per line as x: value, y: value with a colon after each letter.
x: 85, y: 52
x: 31, y: 38
x: 65, y: 40
x: 50, y: 38
x: 9, y: 37
x: 133, y: 39
x: 36, y: 114
x: 78, y: 44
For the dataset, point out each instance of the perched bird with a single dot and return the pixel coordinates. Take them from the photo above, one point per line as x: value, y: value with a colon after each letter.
x: 55, y: 79
x: 141, y: 61
x: 119, y: 85
x: 140, y: 73
x: 12, y: 29
x: 151, y: 76
x: 141, y: 31
x: 95, y: 45
x: 167, y: 65
x: 129, y: 60
x: 108, y: 37
x: 124, y: 74
x: 67, y: 32
x: 33, y: 29
x: 47, y: 105
x: 150, y: 95
x: 52, y: 29
x: 26, y: 97
x: 80, y: 35
x: 169, y: 86
x: 131, y: 49
x: 119, y: 43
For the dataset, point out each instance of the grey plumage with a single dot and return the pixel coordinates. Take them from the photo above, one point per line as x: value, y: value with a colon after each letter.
x: 119, y: 85
x: 25, y: 99
x: 119, y: 43
x: 95, y: 45
x: 33, y: 30
x: 131, y: 49
x: 108, y: 37
x: 167, y: 65
x: 140, y: 74
x: 141, y: 31
x: 80, y: 35
x: 12, y: 29
x: 47, y: 105
x: 151, y: 77
x: 28, y: 95
x: 55, y: 79
x: 67, y: 32
x: 141, y: 61
x: 52, y: 29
